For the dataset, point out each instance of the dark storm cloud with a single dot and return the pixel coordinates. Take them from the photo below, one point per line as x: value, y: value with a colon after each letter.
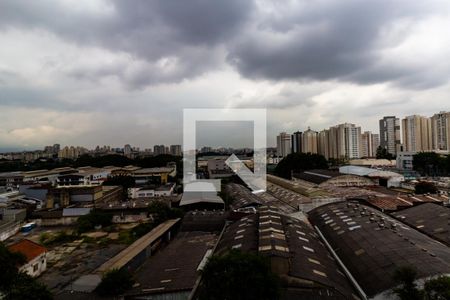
x: 169, y: 41
x: 185, y: 34
x: 331, y: 40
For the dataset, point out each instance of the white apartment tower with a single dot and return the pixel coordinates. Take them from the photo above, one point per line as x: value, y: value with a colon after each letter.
x: 440, y: 131
x: 309, y: 141
x: 416, y: 132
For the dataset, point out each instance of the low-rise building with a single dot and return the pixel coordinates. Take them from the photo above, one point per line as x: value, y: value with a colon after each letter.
x: 35, y: 254
x: 165, y: 190
x: 64, y: 196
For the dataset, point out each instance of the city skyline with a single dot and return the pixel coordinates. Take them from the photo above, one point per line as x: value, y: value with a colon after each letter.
x: 125, y: 78
x: 235, y: 128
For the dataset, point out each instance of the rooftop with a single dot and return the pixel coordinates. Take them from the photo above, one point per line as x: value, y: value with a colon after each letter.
x: 430, y: 218
x: 153, y: 170
x: 30, y: 249
x: 134, y: 249
x: 400, y: 201
x: 317, y: 176
x: 242, y: 197
x: 200, y: 197
x: 373, y: 245
x: 171, y: 269
x: 308, y: 267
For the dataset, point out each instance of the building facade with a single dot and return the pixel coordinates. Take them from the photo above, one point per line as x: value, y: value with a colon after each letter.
x: 369, y: 144
x: 283, y: 144
x: 416, y: 132
x: 440, y: 131
x: 296, y: 142
x: 309, y: 141
x: 390, y: 134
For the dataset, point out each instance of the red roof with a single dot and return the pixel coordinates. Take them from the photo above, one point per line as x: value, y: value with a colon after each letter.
x: 28, y: 248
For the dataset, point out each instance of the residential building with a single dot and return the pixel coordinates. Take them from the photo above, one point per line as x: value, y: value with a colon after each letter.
x: 217, y: 168
x: 284, y: 144
x: 440, y: 131
x: 127, y: 150
x: 323, y: 143
x: 342, y: 141
x: 296, y: 142
x: 309, y: 141
x: 416, y: 132
x: 390, y: 134
x: 175, y: 150
x: 369, y: 144
x: 159, y: 149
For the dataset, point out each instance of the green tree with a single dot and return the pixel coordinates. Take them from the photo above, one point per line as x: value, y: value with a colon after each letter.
x: 238, y: 275
x: 8, y: 266
x: 424, y: 187
x: 16, y: 285
x: 26, y: 287
x: 431, y: 163
x: 125, y: 182
x: 438, y: 288
x: 94, y: 218
x: 298, y: 162
x: 161, y: 212
x: 382, y: 153
x: 115, y: 283
x: 407, y: 289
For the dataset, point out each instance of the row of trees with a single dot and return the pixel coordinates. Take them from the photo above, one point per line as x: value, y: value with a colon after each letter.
x: 433, y: 289
x: 297, y: 162
x: 431, y: 164
x: 93, y: 161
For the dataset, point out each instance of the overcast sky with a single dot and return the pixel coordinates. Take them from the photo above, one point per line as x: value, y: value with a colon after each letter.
x: 85, y: 72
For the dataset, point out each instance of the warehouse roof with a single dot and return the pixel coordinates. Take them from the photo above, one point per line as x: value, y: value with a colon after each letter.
x: 241, y: 196
x: 317, y: 176
x: 373, y: 245
x: 137, y: 247
x: 176, y: 267
x: 396, y: 202
x: 429, y: 218
x: 277, y: 236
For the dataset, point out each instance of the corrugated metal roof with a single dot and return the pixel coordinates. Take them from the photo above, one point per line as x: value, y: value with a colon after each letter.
x: 373, y: 245
x: 75, y: 211
x: 274, y: 235
x: 430, y: 218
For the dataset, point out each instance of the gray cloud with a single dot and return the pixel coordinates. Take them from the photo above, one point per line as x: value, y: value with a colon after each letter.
x: 177, y: 40
x: 334, y: 40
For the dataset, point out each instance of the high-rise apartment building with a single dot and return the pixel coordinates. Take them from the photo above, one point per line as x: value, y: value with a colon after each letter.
x: 323, y: 143
x: 159, y: 149
x: 175, y: 150
x: 309, y: 141
x: 127, y: 150
x: 440, y: 131
x: 341, y: 141
x: 390, y: 134
x: 296, y: 142
x: 369, y: 144
x: 283, y: 144
x: 416, y: 131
